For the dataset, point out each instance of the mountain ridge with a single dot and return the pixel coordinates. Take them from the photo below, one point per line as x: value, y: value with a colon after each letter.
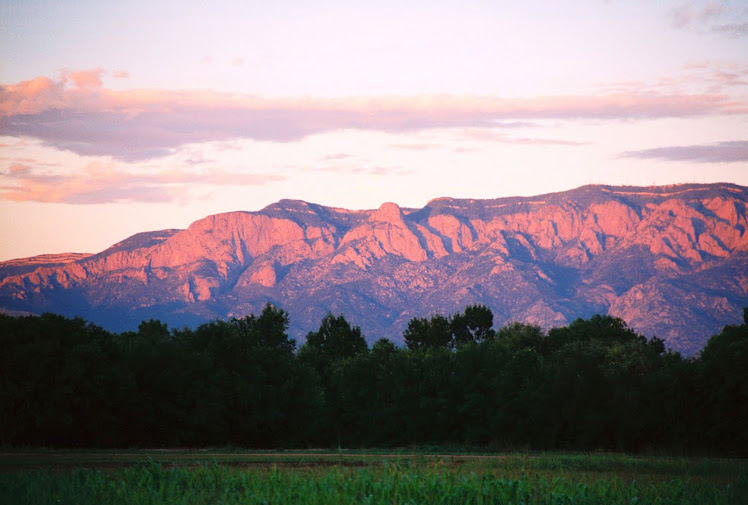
x: 670, y: 260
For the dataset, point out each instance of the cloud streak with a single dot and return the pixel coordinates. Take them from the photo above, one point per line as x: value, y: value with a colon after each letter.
x: 104, y: 183
x: 365, y: 170
x: 734, y: 30
x: 716, y: 17
x: 78, y: 114
x: 720, y: 152
x: 490, y: 135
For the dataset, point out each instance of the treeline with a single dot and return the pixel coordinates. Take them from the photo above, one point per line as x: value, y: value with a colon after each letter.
x: 593, y: 385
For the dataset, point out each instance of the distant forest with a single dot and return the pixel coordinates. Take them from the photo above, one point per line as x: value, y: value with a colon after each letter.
x: 592, y: 385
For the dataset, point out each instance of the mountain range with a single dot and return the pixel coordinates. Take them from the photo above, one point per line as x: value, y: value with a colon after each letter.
x: 672, y: 261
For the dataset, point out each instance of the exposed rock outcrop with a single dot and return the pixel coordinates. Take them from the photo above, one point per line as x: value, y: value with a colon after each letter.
x: 672, y: 261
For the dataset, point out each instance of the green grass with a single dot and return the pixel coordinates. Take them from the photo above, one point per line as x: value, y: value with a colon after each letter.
x: 323, y: 478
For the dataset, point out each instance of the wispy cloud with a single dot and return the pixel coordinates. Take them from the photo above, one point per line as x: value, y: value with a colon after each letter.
x: 338, y: 156
x: 732, y: 29
x: 348, y: 164
x: 198, y: 160
x: 543, y: 142
x: 77, y: 113
x: 719, y: 74
x: 19, y: 170
x: 83, y: 78
x: 713, y: 16
x: 105, y: 183
x: 493, y: 136
x: 731, y: 77
x: 688, y: 14
x: 718, y: 78
x: 25, y: 160
x: 720, y: 152
x: 417, y: 146
x: 365, y: 170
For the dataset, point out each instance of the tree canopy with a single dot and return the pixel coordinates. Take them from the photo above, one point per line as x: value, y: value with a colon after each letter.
x: 474, y: 324
x: 594, y: 384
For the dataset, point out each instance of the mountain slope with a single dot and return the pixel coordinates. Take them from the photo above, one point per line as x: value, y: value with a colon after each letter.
x: 671, y: 261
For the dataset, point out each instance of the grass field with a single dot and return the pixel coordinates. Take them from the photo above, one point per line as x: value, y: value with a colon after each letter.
x: 309, y: 477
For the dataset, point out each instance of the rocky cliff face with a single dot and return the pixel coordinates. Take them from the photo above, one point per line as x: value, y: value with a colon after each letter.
x: 671, y: 261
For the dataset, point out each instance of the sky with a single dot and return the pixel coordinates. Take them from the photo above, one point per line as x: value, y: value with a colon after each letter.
x: 122, y: 117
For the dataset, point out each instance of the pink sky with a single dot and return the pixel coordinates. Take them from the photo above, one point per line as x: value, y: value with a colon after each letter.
x: 120, y: 119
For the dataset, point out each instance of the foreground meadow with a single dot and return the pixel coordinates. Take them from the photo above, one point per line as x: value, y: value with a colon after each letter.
x: 143, y: 477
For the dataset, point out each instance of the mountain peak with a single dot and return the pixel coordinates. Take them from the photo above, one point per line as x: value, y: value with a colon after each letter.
x: 390, y: 213
x: 672, y: 261
x: 288, y: 204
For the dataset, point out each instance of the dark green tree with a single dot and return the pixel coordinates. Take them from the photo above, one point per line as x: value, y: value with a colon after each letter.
x: 327, y: 351
x: 599, y: 327
x: 423, y: 333
x: 336, y: 339
x: 268, y: 330
x: 518, y: 336
x: 474, y: 324
x: 153, y: 331
x: 722, y: 389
